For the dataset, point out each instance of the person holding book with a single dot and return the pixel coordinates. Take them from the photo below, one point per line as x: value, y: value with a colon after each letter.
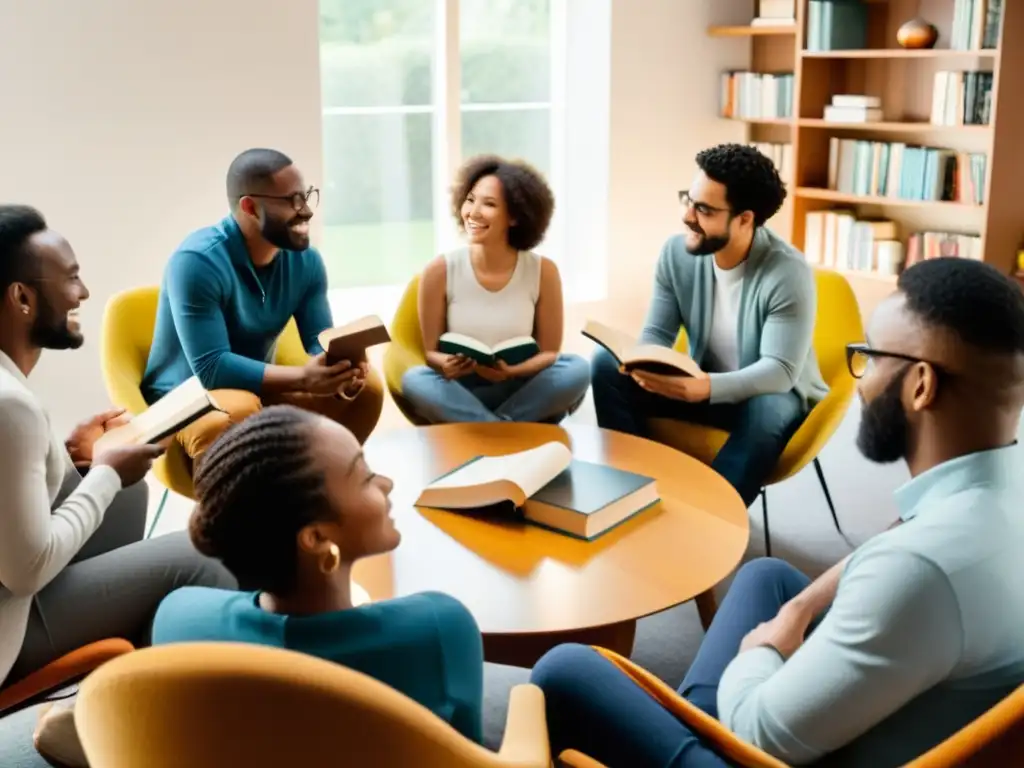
x: 227, y: 294
x: 916, y: 633
x: 73, y: 566
x: 491, y: 313
x: 288, y: 503
x: 746, y: 300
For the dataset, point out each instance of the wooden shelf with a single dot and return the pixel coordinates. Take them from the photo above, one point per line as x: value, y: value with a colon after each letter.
x: 902, y: 53
x: 752, y: 31
x: 817, y: 193
x: 787, y: 121
x: 890, y: 126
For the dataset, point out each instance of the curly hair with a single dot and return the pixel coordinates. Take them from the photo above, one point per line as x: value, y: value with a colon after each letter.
x: 257, y: 487
x: 976, y: 301
x: 528, y: 197
x: 751, y: 180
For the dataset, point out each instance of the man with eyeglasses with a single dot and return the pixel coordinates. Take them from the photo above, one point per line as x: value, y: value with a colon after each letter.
x: 746, y: 299
x: 914, y: 635
x: 227, y: 294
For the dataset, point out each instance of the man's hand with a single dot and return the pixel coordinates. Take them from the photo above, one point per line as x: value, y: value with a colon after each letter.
x: 85, y: 435
x: 318, y: 378
x: 457, y: 366
x: 691, y: 389
x: 131, y: 462
x: 785, y: 633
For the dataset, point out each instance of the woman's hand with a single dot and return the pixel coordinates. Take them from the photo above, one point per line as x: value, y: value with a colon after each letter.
x: 500, y: 371
x: 457, y: 366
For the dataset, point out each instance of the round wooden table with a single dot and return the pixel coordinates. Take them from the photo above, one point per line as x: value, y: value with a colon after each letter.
x: 531, y: 589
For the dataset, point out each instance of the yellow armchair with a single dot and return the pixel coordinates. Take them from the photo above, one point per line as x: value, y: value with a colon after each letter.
x: 208, y: 705
x: 994, y: 740
x: 405, y: 350
x: 127, y: 334
x: 837, y: 323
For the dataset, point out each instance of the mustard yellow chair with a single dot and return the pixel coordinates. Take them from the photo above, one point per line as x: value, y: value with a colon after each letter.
x: 837, y: 323
x: 405, y: 350
x: 212, y: 705
x: 127, y: 334
x: 994, y: 740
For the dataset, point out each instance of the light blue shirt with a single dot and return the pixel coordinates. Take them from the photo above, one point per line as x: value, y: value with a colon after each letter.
x: 926, y: 632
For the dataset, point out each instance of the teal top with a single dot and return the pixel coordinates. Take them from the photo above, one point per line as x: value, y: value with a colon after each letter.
x: 775, y: 325
x: 427, y: 645
x: 925, y: 634
x: 219, y: 315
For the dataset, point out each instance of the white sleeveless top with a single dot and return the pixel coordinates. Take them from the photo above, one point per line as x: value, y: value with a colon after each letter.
x: 491, y: 316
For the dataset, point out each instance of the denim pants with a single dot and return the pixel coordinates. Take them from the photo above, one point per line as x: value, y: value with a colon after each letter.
x: 595, y: 708
x: 759, y: 428
x: 548, y: 396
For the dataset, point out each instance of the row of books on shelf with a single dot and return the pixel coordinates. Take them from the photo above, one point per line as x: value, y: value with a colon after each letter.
x: 754, y: 95
x: 839, y: 240
x: 975, y: 24
x: 781, y: 156
x: 836, y: 25
x: 905, y: 171
x: 962, y: 98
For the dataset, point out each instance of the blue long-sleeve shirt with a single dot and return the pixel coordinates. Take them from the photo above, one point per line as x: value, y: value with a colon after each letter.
x: 426, y: 645
x: 219, y: 316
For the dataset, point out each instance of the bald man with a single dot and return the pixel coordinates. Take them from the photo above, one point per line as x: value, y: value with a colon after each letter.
x: 923, y: 626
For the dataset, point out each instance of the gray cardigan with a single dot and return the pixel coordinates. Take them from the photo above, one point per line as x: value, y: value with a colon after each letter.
x: 775, y: 324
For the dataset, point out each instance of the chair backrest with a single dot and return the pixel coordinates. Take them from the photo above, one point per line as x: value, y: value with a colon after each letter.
x: 209, y: 705
x: 406, y: 347
x: 127, y: 334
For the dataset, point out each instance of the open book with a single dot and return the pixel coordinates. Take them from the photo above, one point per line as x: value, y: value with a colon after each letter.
x: 349, y: 341
x: 172, y: 412
x: 547, y: 487
x: 643, y: 357
x: 511, y: 351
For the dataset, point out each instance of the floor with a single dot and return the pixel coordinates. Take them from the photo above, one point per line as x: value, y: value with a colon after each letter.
x: 802, y: 533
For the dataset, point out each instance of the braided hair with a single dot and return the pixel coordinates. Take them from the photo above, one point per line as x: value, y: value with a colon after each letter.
x: 257, y: 487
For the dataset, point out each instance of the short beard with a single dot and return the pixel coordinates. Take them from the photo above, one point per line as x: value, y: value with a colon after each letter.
x: 884, y: 431
x: 280, y: 235
x: 52, y: 332
x: 709, y: 244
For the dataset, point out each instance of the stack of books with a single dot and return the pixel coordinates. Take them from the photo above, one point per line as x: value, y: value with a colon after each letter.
x: 932, y: 245
x: 839, y: 240
x: 754, y: 95
x: 962, y: 98
x: 854, y: 108
x: 976, y: 24
x: 905, y: 171
x: 775, y: 13
x: 836, y: 25
x: 780, y: 154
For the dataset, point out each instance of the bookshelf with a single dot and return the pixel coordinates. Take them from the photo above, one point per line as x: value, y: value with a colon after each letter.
x: 912, y: 107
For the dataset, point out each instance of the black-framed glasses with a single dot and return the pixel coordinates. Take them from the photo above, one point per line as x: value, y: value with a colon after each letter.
x: 299, y: 200
x: 858, y: 358
x: 702, y: 209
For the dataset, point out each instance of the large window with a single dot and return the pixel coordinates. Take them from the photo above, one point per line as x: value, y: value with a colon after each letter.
x: 387, y: 84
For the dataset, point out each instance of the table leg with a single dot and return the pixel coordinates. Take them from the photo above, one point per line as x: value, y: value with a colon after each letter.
x: 524, y: 650
x: 707, y: 606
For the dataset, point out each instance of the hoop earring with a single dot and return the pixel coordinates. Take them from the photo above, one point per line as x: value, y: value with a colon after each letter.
x: 333, y: 561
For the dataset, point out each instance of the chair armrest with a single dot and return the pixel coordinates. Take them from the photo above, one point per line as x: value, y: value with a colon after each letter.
x: 526, y: 728
x: 573, y: 759
x: 724, y: 741
x: 78, y: 663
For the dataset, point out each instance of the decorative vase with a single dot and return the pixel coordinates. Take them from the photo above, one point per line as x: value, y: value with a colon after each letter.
x: 917, y: 33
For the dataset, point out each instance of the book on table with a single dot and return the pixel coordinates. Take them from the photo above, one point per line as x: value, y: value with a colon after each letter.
x: 545, y: 486
x: 173, y: 412
x: 511, y: 351
x: 632, y: 355
x: 350, y: 341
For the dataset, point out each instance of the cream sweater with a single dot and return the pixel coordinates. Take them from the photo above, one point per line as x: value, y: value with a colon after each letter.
x: 37, y: 541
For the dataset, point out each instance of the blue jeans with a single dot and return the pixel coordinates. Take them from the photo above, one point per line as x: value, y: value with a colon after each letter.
x: 596, y: 709
x: 548, y: 396
x: 759, y: 428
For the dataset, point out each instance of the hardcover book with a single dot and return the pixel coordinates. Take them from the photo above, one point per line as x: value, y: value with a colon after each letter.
x: 511, y: 351
x: 350, y: 341
x: 643, y: 357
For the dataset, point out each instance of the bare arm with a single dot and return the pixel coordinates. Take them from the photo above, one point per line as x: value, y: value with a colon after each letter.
x: 548, y: 322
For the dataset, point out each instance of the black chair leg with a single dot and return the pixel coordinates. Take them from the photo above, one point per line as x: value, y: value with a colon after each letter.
x: 764, y: 515
x: 831, y: 506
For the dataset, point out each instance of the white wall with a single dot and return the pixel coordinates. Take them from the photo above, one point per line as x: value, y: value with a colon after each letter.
x: 121, y: 116
x: 119, y: 119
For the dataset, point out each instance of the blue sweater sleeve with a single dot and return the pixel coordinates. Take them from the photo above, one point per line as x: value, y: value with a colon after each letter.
x: 663, y: 318
x: 314, y: 312
x: 195, y: 293
x: 463, y: 654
